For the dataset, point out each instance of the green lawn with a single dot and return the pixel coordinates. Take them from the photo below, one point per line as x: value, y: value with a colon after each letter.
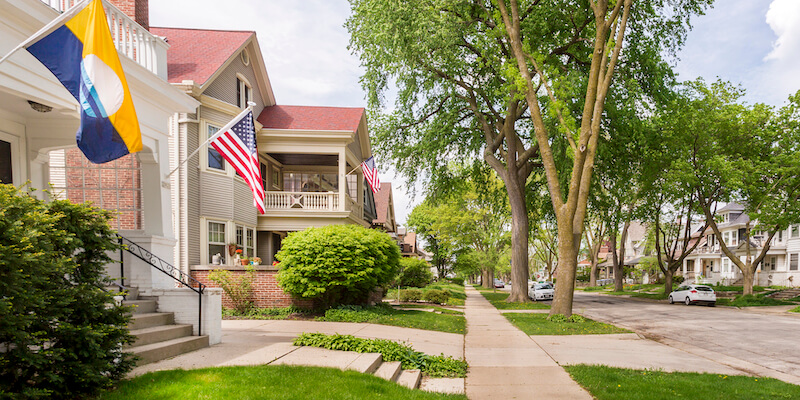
x: 750, y: 300
x: 796, y: 309
x: 386, y: 315
x: 264, y: 382
x: 434, y: 307
x: 499, y: 301
x: 457, y: 294
x: 538, y: 324
x: 607, y: 383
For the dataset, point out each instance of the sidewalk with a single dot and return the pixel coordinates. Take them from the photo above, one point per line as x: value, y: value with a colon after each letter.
x: 504, y: 363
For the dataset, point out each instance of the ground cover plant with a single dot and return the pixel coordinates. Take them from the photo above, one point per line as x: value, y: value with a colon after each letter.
x: 61, y: 334
x: 337, y: 264
x: 435, y: 308
x: 440, y: 366
x: 750, y: 300
x: 455, y: 294
x: 265, y: 313
x: 541, y: 324
x: 266, y: 381
x: 499, y: 301
x: 386, y: 315
x: 607, y: 383
x: 796, y: 309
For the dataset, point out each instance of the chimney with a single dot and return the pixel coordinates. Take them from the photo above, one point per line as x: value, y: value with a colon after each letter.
x: 136, y: 9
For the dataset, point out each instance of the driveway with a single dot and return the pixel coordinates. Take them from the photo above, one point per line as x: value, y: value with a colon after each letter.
x: 755, y: 341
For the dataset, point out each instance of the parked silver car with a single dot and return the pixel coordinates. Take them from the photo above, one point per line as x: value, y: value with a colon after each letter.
x: 693, y: 294
x: 541, y: 291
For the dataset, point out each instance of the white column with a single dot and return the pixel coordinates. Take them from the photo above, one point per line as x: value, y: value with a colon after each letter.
x: 342, y: 179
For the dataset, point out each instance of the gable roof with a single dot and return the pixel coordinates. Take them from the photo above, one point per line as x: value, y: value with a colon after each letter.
x: 731, y: 207
x: 196, y: 54
x: 311, y: 118
x: 382, y: 203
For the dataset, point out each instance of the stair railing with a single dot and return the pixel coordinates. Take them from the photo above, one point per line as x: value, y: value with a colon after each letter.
x: 158, y: 263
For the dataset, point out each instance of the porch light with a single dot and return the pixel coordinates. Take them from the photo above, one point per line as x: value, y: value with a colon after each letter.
x: 40, y: 107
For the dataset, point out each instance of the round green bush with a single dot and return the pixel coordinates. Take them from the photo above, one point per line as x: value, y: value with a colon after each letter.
x: 437, y: 296
x: 337, y: 264
x: 414, y: 273
x: 411, y: 295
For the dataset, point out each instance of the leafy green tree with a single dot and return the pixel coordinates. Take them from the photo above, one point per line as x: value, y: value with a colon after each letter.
x: 424, y: 220
x: 746, y: 154
x: 61, y: 333
x: 337, y: 264
x: 414, y: 272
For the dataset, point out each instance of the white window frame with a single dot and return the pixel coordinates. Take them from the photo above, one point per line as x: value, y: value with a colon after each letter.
x: 204, y: 135
x: 244, y: 90
x: 207, y: 243
x: 770, y: 263
x: 248, y: 232
x: 795, y: 231
x: 793, y: 261
x: 17, y: 167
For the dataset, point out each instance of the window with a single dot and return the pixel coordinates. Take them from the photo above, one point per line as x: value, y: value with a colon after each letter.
x: 264, y: 176
x: 6, y: 172
x: 780, y: 235
x: 793, y: 262
x: 216, y: 241
x: 313, y: 182
x: 276, y: 177
x: 244, y: 93
x: 769, y: 263
x: 244, y: 240
x: 795, y: 231
x: 726, y: 265
x: 215, y: 160
x: 352, y: 186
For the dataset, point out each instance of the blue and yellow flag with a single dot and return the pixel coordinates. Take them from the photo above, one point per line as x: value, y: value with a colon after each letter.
x: 82, y: 56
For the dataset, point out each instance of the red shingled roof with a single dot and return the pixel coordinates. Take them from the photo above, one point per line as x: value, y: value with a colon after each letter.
x: 311, y: 118
x: 382, y: 203
x: 195, y: 54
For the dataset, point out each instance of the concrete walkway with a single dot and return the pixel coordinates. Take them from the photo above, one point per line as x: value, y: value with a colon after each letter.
x: 504, y: 363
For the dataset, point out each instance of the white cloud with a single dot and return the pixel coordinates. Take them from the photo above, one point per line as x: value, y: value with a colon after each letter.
x: 784, y: 19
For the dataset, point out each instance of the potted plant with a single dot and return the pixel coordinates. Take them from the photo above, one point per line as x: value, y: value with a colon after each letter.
x: 244, y: 261
x: 256, y: 260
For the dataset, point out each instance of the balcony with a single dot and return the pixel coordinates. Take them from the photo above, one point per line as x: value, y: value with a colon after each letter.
x: 317, y: 201
x: 130, y: 38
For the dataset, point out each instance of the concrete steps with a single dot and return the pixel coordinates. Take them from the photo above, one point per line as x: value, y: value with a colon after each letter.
x: 157, y: 335
x: 786, y: 294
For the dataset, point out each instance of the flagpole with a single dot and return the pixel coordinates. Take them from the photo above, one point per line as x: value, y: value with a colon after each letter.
x: 47, y: 29
x: 214, y: 136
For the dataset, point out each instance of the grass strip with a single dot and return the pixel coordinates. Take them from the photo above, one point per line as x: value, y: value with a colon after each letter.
x: 386, y: 315
x: 750, y: 300
x: 607, y: 383
x: 433, y: 307
x: 263, y: 313
x: 440, y: 366
x: 264, y: 382
x: 499, y: 301
x: 540, y: 324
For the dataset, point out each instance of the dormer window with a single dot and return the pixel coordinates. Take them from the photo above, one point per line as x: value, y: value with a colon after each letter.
x: 725, y: 218
x: 244, y: 92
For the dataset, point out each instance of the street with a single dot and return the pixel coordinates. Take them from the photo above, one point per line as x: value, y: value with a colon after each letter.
x: 728, y: 335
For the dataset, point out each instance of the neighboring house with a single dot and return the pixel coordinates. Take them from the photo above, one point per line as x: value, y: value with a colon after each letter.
x: 310, y: 158
x: 635, y: 241
x: 708, y: 264
x: 384, y: 209
x: 408, y: 244
x: 38, y: 122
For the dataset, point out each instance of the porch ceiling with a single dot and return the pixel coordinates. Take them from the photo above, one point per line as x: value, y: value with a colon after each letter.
x: 306, y: 159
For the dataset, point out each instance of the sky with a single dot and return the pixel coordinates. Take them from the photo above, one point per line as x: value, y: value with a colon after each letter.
x: 753, y: 43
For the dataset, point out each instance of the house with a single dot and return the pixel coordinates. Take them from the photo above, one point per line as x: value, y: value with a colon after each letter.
x: 708, y: 264
x: 384, y: 210
x: 310, y: 158
x: 635, y: 250
x: 38, y: 122
x: 408, y: 244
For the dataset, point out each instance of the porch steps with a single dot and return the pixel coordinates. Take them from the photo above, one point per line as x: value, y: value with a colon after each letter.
x: 785, y: 294
x: 157, y: 335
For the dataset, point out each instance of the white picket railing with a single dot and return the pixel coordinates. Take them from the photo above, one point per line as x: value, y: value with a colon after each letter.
x: 324, y: 201
x: 130, y: 38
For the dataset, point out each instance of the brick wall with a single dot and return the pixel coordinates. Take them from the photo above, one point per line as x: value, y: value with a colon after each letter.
x: 139, y: 10
x: 266, y: 291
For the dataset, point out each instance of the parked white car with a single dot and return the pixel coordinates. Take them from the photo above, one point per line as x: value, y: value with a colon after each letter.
x: 541, y: 291
x: 689, y: 294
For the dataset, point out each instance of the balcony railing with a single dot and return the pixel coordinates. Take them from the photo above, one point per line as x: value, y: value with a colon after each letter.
x: 130, y: 38
x: 320, y: 201
x: 355, y: 208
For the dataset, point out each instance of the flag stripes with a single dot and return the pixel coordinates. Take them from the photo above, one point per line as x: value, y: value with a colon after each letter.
x: 237, y: 145
x: 371, y: 174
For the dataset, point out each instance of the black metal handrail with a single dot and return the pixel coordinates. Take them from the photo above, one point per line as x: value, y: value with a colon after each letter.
x: 158, y: 263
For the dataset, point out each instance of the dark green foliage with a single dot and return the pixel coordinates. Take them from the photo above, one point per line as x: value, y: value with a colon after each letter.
x: 437, y: 296
x: 678, y: 279
x: 414, y: 272
x: 337, y: 264
x: 386, y: 315
x: 264, y: 313
x: 61, y: 334
x: 457, y: 281
x: 411, y: 295
x: 434, y: 366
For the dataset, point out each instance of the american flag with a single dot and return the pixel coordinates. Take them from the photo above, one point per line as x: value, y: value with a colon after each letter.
x: 236, y: 142
x: 371, y: 174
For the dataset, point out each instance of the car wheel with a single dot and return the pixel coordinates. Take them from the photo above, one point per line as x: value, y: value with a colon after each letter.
x: 671, y: 301
x: 714, y: 304
x: 688, y: 302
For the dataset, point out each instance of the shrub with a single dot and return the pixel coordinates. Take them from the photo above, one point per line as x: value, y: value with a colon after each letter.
x: 337, y: 264
x: 414, y: 273
x: 61, y: 333
x: 678, y: 279
x: 412, y: 295
x: 458, y: 281
x: 434, y: 366
x: 239, y: 290
x: 561, y: 318
x: 436, y: 296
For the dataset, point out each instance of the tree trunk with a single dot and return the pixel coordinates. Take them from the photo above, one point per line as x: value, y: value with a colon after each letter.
x: 593, y: 273
x: 487, y: 278
x: 568, y: 264
x: 748, y: 278
x: 667, y: 281
x: 519, y: 240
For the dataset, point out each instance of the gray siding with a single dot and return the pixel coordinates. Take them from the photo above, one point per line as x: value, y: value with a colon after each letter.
x: 224, y: 86
x: 193, y: 199
x: 216, y: 196
x: 355, y: 147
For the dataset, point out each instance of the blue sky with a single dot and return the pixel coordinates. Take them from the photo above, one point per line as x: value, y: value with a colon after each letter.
x: 755, y: 43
